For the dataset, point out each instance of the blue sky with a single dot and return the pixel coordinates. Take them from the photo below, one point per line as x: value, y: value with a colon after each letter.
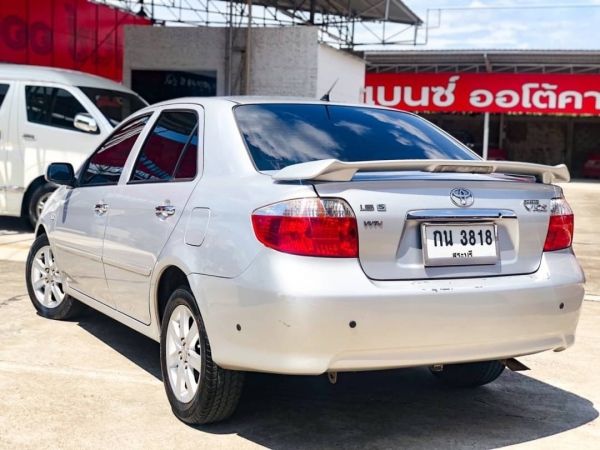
x: 476, y: 26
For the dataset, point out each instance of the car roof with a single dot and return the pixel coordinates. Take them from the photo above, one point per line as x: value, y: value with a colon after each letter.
x: 252, y: 100
x: 63, y: 76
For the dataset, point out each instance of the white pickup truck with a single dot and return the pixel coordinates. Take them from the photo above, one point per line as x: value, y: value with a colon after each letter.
x: 49, y: 115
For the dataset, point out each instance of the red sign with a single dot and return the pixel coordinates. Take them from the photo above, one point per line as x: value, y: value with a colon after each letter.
x: 486, y: 92
x: 72, y: 34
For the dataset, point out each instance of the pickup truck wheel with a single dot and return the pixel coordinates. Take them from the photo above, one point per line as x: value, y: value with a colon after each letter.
x: 470, y: 374
x: 37, y: 200
x: 45, y: 283
x: 198, y: 390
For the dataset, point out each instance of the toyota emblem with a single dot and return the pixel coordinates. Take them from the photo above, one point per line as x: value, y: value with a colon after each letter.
x: 461, y: 197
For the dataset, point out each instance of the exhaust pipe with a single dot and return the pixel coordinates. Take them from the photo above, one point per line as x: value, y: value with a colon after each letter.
x: 514, y: 365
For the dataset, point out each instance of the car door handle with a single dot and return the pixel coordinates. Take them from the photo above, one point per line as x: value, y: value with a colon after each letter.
x: 164, y: 211
x: 29, y: 137
x: 100, y: 208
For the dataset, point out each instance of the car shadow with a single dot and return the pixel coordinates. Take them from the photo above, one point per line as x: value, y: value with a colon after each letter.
x: 384, y: 409
x: 136, y: 347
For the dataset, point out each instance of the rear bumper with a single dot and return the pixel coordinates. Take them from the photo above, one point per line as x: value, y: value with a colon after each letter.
x: 295, y: 314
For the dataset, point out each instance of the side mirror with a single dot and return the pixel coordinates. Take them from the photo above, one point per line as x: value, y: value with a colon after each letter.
x: 60, y: 174
x: 85, y: 122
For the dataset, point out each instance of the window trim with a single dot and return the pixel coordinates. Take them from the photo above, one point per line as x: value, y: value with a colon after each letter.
x: 141, y: 149
x: 49, y: 125
x: 86, y: 164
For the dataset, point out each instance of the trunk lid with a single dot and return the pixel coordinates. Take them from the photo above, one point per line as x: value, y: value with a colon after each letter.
x: 392, y: 208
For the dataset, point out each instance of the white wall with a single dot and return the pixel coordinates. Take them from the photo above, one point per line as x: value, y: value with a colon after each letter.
x: 348, y: 69
x: 175, y: 48
x: 285, y: 61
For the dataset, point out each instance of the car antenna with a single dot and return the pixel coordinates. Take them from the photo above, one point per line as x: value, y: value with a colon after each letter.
x: 326, y: 97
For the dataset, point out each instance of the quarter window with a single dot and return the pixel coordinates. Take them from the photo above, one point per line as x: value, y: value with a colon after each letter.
x: 171, y: 149
x: 106, y: 164
x: 52, y: 106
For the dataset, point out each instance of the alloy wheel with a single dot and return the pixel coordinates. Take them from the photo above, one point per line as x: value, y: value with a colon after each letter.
x: 46, y: 279
x: 183, y: 354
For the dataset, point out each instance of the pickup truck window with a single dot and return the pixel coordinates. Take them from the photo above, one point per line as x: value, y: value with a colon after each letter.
x: 3, y: 92
x: 52, y: 106
x: 115, y: 105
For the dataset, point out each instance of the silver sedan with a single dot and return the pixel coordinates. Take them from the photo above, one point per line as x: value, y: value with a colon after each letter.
x: 306, y: 237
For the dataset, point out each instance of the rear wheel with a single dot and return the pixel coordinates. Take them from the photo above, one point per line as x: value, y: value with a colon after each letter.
x: 37, y: 200
x: 470, y: 374
x: 45, y: 283
x: 198, y: 390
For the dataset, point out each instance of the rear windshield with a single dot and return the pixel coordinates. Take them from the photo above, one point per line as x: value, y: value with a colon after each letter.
x: 278, y: 135
x: 115, y: 105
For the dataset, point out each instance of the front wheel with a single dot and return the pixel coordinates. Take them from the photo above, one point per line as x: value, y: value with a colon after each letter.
x: 37, y: 200
x: 45, y: 283
x: 470, y: 374
x: 198, y: 390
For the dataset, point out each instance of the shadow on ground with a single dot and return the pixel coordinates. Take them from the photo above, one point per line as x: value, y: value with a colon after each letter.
x: 386, y: 409
x: 14, y: 225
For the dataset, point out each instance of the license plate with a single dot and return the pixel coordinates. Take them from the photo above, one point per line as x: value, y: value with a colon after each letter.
x: 459, y: 244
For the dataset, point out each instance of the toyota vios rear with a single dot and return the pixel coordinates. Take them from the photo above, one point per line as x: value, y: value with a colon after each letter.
x: 309, y: 238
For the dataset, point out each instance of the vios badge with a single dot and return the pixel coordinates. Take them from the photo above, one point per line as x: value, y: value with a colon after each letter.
x: 461, y: 197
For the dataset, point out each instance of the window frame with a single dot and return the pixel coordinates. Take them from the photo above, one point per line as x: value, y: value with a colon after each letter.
x: 85, y: 165
x: 72, y: 92
x: 200, y: 149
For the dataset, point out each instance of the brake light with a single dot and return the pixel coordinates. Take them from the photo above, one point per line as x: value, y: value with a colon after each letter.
x: 308, y: 227
x: 560, y: 227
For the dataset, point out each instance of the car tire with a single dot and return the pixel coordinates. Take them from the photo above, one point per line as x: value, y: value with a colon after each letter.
x: 45, y: 283
x: 198, y: 390
x: 36, y: 201
x: 469, y: 374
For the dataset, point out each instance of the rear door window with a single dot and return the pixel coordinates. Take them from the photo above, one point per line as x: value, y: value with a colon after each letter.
x: 279, y: 135
x: 106, y: 164
x: 170, y: 152
x: 52, y: 106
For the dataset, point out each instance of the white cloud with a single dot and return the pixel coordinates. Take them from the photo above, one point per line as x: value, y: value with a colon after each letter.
x: 472, y: 24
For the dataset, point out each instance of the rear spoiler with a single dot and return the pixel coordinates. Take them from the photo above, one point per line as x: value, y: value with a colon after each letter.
x: 334, y: 170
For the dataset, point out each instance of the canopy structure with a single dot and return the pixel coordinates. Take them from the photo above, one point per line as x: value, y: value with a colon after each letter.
x: 389, y: 10
x: 344, y: 23
x: 496, y: 61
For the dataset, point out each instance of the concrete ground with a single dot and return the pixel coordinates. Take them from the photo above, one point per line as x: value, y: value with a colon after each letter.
x: 93, y: 383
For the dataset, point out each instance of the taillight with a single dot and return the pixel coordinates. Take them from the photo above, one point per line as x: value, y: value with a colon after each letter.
x: 309, y: 227
x: 560, y: 227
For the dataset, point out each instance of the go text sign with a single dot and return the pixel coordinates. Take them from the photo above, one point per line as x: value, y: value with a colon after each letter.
x: 73, y: 34
x: 486, y: 92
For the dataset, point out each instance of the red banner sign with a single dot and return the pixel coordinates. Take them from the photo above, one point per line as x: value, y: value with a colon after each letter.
x: 486, y: 92
x: 73, y: 34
